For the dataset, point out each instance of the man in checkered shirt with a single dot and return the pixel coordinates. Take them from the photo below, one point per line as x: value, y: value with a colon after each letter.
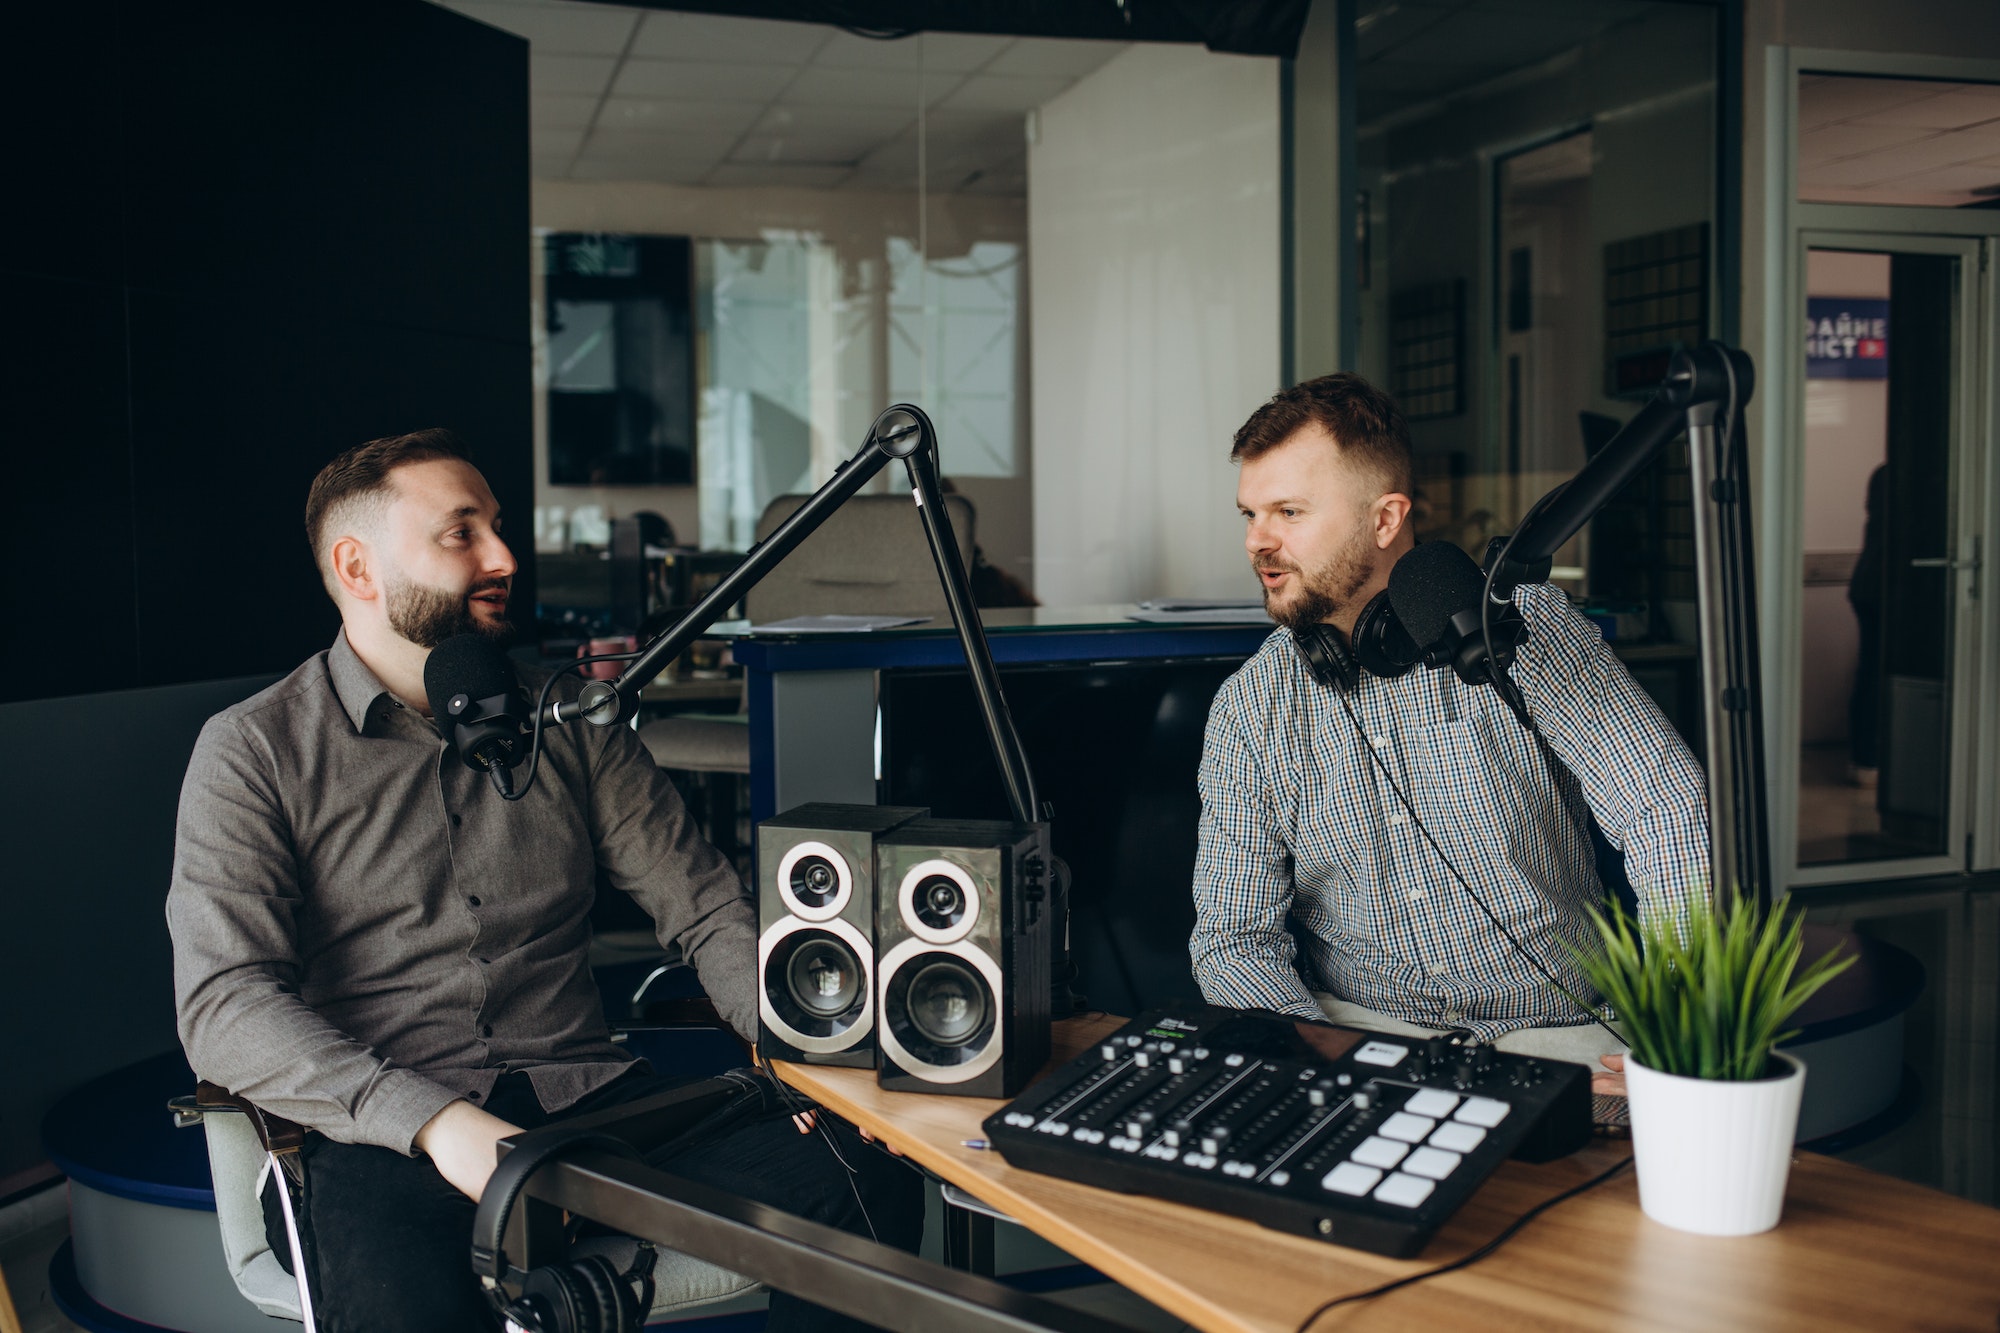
x: 1315, y: 893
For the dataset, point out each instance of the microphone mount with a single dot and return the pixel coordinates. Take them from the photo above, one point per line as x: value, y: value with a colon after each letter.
x: 1703, y: 394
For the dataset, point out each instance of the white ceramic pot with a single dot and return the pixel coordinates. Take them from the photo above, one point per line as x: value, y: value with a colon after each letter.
x: 1713, y: 1154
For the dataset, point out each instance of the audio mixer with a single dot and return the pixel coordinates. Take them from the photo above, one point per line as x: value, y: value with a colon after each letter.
x: 1348, y: 1136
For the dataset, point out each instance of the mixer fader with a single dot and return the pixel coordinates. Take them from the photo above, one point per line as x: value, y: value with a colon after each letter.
x: 1356, y: 1138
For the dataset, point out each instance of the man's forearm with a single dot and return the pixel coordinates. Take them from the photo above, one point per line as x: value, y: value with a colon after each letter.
x: 461, y: 1142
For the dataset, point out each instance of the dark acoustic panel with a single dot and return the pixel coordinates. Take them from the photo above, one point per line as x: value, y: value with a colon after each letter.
x: 66, y: 507
x: 61, y: 106
x: 89, y: 832
x: 366, y: 159
x: 234, y: 411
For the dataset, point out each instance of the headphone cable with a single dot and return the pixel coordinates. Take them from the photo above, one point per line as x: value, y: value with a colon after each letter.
x: 1519, y: 948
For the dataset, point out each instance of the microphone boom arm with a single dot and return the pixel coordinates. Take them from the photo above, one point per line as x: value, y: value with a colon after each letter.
x: 902, y: 433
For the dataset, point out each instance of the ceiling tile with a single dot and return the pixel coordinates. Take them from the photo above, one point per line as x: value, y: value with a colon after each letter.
x: 1831, y: 142
x: 636, y: 113
x: 862, y: 87
x: 689, y: 79
x: 1846, y: 98
x: 950, y: 52
x: 1006, y: 130
x: 996, y: 92
x: 554, y: 143
x: 883, y: 123
x: 569, y: 74
x: 664, y: 172
x: 1045, y: 57
x: 822, y: 147
x: 562, y: 111
x: 1945, y: 111
x: 565, y: 29
x: 734, y: 174
x: 666, y: 36
x: 651, y: 145
x: 1957, y: 179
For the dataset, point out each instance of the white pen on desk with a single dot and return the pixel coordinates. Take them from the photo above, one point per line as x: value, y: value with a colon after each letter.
x: 977, y: 1145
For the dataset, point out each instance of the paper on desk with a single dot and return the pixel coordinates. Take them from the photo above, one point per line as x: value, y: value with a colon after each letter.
x: 1200, y: 611
x: 834, y: 624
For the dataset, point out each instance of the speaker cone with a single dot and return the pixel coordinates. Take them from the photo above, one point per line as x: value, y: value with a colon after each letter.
x: 824, y: 976
x: 815, y: 986
x: 947, y: 1002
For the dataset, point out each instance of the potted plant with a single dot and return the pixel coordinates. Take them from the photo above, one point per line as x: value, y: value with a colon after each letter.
x: 1715, y: 1107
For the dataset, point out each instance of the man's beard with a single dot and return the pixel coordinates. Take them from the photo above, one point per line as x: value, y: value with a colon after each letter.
x: 1322, y: 593
x: 427, y: 616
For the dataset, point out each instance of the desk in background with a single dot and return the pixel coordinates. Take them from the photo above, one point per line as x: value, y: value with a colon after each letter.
x: 1855, y: 1250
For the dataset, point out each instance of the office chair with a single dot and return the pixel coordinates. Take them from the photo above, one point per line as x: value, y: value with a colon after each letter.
x: 246, y: 1143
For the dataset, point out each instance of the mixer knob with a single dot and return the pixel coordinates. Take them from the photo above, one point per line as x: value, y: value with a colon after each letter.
x: 1176, y: 1065
x: 1212, y: 1140
x: 1321, y: 1092
x: 1108, y: 1051
x: 1143, y: 1059
x: 1344, y: 1080
x: 1138, y: 1123
x: 1171, y: 1138
x: 1134, y: 1041
x: 1199, y: 1052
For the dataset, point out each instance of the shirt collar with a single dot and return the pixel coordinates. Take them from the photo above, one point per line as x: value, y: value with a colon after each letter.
x: 354, y: 684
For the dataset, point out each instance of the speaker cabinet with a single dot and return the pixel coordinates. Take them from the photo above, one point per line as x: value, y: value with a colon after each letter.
x: 816, y: 931
x: 965, y: 931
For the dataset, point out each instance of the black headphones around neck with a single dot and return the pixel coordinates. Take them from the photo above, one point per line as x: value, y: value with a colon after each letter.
x: 580, y: 1295
x: 1381, y: 647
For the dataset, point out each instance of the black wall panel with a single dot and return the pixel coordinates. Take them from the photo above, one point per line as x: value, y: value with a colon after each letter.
x: 280, y: 230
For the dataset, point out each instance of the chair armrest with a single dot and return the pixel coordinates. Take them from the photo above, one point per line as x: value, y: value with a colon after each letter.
x: 277, y: 1134
x: 688, y: 1011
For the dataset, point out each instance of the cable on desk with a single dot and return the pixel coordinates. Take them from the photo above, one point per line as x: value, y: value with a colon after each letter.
x: 1467, y: 1261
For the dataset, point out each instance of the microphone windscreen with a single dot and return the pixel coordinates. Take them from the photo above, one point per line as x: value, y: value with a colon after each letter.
x: 469, y: 664
x: 1430, y: 585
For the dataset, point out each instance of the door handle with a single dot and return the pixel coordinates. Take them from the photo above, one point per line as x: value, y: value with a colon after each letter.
x: 1946, y: 562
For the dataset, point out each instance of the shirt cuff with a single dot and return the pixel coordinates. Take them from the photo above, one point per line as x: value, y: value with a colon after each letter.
x: 400, y: 1103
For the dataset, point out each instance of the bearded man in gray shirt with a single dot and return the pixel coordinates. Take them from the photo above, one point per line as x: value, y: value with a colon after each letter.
x: 368, y: 941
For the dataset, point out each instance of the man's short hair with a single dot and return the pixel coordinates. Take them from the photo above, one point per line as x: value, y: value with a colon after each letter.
x: 1365, y: 423
x: 360, y: 477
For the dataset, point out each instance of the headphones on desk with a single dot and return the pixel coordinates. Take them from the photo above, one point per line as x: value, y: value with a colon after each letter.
x: 1380, y: 647
x: 581, y: 1295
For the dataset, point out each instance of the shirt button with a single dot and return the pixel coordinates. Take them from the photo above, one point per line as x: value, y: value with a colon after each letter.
x: 473, y: 899
x: 1416, y: 895
x: 1378, y: 741
x: 1398, y: 817
x: 456, y: 821
x: 486, y: 1031
x: 472, y: 1096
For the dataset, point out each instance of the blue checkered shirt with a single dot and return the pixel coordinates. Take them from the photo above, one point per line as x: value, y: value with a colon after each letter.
x: 1298, y: 826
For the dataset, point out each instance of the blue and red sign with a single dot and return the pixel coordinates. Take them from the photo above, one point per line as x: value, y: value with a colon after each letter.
x: 1847, y: 338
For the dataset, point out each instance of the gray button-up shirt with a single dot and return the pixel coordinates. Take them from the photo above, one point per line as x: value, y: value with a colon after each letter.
x: 365, y: 932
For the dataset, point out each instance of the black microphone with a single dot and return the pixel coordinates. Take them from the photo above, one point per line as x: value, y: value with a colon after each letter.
x: 475, y: 694
x: 1435, y: 592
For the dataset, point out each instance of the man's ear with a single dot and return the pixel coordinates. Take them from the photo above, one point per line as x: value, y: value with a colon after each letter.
x: 1392, y: 511
x: 354, y: 569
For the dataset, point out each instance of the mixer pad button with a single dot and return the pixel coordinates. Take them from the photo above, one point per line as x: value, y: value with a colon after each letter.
x: 1378, y: 1151
x: 1433, y: 1102
x: 1405, y: 1191
x: 1384, y: 1053
x: 1454, y: 1137
x: 1482, y: 1111
x: 1409, y: 1128
x: 1432, y: 1162
x: 1351, y: 1178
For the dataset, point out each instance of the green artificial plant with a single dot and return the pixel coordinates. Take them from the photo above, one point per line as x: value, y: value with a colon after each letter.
x: 1709, y: 1002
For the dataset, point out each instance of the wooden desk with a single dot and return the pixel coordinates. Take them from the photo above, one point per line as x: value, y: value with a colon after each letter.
x: 1855, y: 1249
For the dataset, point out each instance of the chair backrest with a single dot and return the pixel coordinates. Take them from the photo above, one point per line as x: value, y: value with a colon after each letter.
x: 869, y: 558
x: 236, y: 1163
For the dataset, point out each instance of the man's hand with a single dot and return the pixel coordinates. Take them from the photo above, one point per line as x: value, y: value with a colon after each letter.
x: 1613, y: 1082
x: 459, y: 1141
